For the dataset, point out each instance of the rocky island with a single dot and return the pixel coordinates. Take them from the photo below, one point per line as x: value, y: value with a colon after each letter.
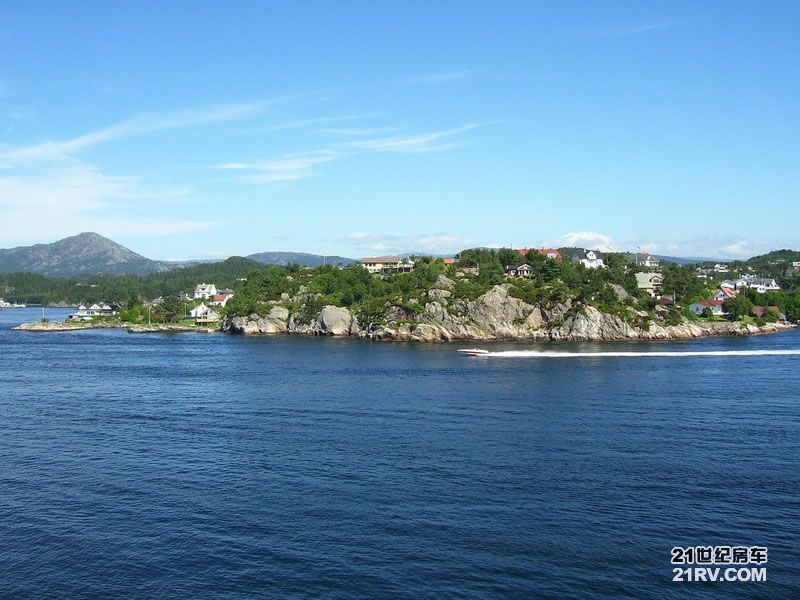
x: 486, y: 295
x: 442, y: 303
x: 495, y: 315
x: 58, y: 326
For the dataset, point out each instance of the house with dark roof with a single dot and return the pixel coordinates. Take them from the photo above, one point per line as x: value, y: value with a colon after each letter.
x: 204, y: 291
x: 591, y: 259
x: 643, y: 259
x: 761, y: 285
x: 524, y: 270
x: 762, y: 311
x: 666, y: 301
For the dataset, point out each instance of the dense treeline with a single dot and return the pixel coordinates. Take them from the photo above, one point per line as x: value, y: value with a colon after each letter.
x: 353, y: 287
x: 556, y: 281
x: 777, y: 265
x: 29, y: 288
x: 612, y: 289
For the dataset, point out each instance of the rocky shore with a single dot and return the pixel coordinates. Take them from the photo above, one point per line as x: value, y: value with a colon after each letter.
x: 495, y: 315
x: 131, y: 328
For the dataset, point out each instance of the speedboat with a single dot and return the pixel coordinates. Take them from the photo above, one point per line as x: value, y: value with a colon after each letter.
x: 473, y: 351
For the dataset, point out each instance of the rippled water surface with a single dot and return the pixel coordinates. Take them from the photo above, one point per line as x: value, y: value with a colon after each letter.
x: 211, y: 466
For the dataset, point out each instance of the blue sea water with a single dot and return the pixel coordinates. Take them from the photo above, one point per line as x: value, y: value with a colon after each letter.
x: 213, y: 466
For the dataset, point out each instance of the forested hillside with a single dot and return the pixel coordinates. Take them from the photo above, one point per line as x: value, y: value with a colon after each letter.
x: 30, y: 288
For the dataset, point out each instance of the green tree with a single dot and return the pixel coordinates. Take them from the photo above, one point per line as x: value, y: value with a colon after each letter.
x: 738, y: 307
x: 171, y: 309
x: 684, y: 283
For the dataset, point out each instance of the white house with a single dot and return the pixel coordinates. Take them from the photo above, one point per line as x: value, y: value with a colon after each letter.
x: 203, y: 313
x: 762, y: 285
x: 724, y: 293
x: 721, y: 268
x: 87, y: 313
x: 199, y: 311
x: 387, y: 264
x: 221, y: 299
x: 741, y: 283
x: 524, y: 270
x: 650, y: 283
x: 204, y: 291
x: 716, y: 307
x: 643, y: 259
x: 591, y: 259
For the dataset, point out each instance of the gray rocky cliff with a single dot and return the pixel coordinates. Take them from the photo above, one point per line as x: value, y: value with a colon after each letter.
x: 496, y: 315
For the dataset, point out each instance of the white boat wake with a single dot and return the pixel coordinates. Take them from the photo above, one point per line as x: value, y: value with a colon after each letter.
x: 551, y: 354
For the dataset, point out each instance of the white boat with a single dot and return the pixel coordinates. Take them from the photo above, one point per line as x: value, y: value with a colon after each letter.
x: 473, y: 351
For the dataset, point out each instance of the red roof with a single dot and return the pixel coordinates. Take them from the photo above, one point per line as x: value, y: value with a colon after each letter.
x: 760, y: 311
x: 711, y: 303
x: 449, y: 261
x: 543, y: 251
x: 219, y: 297
x: 546, y: 251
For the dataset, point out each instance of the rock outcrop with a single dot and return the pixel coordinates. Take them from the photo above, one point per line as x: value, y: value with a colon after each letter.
x: 496, y: 315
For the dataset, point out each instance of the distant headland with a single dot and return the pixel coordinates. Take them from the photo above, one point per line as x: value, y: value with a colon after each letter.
x: 478, y: 294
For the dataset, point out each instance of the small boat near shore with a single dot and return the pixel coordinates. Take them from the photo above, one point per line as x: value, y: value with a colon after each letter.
x: 473, y: 351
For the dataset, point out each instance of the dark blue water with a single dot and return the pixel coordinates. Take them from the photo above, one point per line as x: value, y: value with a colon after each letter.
x: 210, y: 466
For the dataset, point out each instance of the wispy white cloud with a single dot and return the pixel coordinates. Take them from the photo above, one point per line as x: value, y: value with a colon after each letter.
x: 717, y: 246
x: 78, y: 197
x: 136, y: 126
x: 357, y: 132
x: 709, y: 246
x: 435, y: 243
x: 439, y: 77
x: 583, y: 239
x: 303, y: 123
x: 48, y: 179
x: 300, y: 166
x: 616, y: 32
x: 426, y: 142
x: 288, y: 168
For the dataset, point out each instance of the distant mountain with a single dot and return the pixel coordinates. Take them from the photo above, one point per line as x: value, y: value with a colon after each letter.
x: 83, y: 253
x: 776, y: 257
x: 301, y: 258
x: 680, y: 260
x: 410, y: 254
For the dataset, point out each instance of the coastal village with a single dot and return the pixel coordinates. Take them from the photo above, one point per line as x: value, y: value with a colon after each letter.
x: 638, y: 293
x: 648, y: 274
x: 204, y: 305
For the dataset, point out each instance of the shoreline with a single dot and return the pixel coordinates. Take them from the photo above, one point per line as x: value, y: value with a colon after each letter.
x: 710, y: 330
x: 62, y: 327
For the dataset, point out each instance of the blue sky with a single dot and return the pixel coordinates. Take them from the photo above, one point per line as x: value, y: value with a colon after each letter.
x: 205, y: 129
